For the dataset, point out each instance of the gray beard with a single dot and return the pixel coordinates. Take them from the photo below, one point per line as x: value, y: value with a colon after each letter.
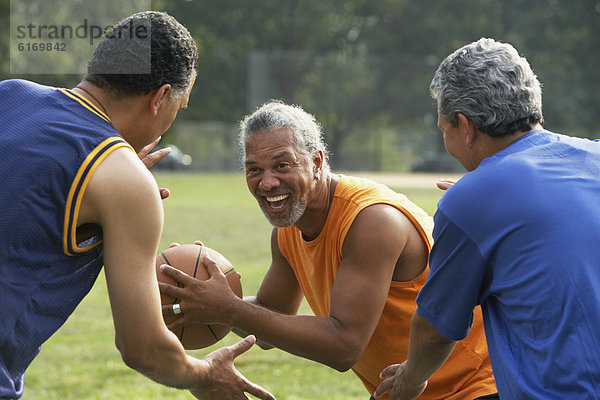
x: 281, y: 221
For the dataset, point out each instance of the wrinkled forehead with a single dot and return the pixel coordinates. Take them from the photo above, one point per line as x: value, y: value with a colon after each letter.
x: 271, y: 145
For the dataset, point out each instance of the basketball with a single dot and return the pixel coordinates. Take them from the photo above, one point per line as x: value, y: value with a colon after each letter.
x: 186, y: 258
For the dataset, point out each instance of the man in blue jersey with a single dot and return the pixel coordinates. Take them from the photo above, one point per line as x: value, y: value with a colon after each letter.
x: 74, y: 196
x: 518, y: 235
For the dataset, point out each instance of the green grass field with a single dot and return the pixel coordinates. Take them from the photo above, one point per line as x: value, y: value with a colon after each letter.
x: 81, y: 362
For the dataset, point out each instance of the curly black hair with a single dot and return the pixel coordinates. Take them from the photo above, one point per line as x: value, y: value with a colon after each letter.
x: 143, y: 52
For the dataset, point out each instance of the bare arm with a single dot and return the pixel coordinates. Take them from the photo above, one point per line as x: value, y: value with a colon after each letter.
x: 370, y: 253
x: 149, y: 159
x: 279, y: 290
x: 123, y: 199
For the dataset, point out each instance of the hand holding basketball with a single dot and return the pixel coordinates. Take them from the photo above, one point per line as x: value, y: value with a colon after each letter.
x: 199, y: 295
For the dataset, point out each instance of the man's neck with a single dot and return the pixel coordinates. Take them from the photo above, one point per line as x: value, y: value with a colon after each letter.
x: 94, y: 95
x: 504, y: 142
x: 491, y: 145
x: 315, y: 216
x: 122, y: 112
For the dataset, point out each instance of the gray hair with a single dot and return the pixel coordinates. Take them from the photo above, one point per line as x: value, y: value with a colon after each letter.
x: 490, y: 84
x: 275, y: 115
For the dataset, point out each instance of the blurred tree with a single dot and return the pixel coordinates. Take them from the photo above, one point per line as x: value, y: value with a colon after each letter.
x: 75, y: 12
x: 4, y: 38
x: 359, y: 64
x: 228, y: 30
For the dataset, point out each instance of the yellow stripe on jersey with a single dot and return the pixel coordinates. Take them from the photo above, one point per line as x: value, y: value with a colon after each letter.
x: 77, y: 190
x: 86, y: 103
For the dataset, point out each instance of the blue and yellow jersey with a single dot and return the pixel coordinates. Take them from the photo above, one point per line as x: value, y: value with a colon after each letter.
x: 51, y: 141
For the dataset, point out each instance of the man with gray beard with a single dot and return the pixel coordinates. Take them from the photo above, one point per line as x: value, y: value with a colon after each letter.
x: 356, y: 250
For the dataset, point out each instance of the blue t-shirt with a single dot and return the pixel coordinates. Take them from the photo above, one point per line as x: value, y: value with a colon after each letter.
x: 51, y: 140
x: 520, y: 236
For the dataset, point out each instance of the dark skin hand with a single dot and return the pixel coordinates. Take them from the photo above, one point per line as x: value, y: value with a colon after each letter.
x: 410, y: 392
x: 216, y: 276
x: 223, y: 359
x: 149, y: 159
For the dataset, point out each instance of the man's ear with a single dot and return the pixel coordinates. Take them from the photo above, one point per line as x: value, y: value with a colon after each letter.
x: 159, y: 97
x: 318, y: 160
x: 468, y: 128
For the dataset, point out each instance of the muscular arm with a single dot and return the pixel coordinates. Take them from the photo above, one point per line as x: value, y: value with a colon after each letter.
x: 279, y: 290
x: 123, y: 199
x: 371, y: 251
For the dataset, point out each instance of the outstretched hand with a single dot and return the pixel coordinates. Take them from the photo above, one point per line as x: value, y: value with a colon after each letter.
x: 226, y: 382
x: 149, y: 159
x: 395, y: 382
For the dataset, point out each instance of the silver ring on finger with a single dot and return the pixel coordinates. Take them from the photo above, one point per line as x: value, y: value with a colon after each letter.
x: 176, y: 309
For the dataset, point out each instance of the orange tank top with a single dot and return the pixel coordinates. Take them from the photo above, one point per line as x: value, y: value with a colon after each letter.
x: 466, y: 374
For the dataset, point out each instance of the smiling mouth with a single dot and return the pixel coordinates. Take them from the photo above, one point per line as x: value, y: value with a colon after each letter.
x: 277, y: 202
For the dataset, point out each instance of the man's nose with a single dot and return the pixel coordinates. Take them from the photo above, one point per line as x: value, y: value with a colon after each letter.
x: 268, y: 181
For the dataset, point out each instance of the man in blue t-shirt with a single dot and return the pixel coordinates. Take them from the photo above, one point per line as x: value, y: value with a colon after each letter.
x: 517, y: 235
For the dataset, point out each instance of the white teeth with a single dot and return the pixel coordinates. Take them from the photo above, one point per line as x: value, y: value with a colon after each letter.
x: 273, y: 199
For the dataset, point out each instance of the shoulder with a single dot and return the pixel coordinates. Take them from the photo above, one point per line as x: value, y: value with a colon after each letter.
x: 120, y: 184
x: 20, y: 92
x: 24, y: 87
x: 380, y: 222
x: 381, y: 213
x: 364, y: 199
x: 355, y: 188
x: 11, y: 84
x: 123, y: 170
x: 354, y: 194
x: 486, y: 197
